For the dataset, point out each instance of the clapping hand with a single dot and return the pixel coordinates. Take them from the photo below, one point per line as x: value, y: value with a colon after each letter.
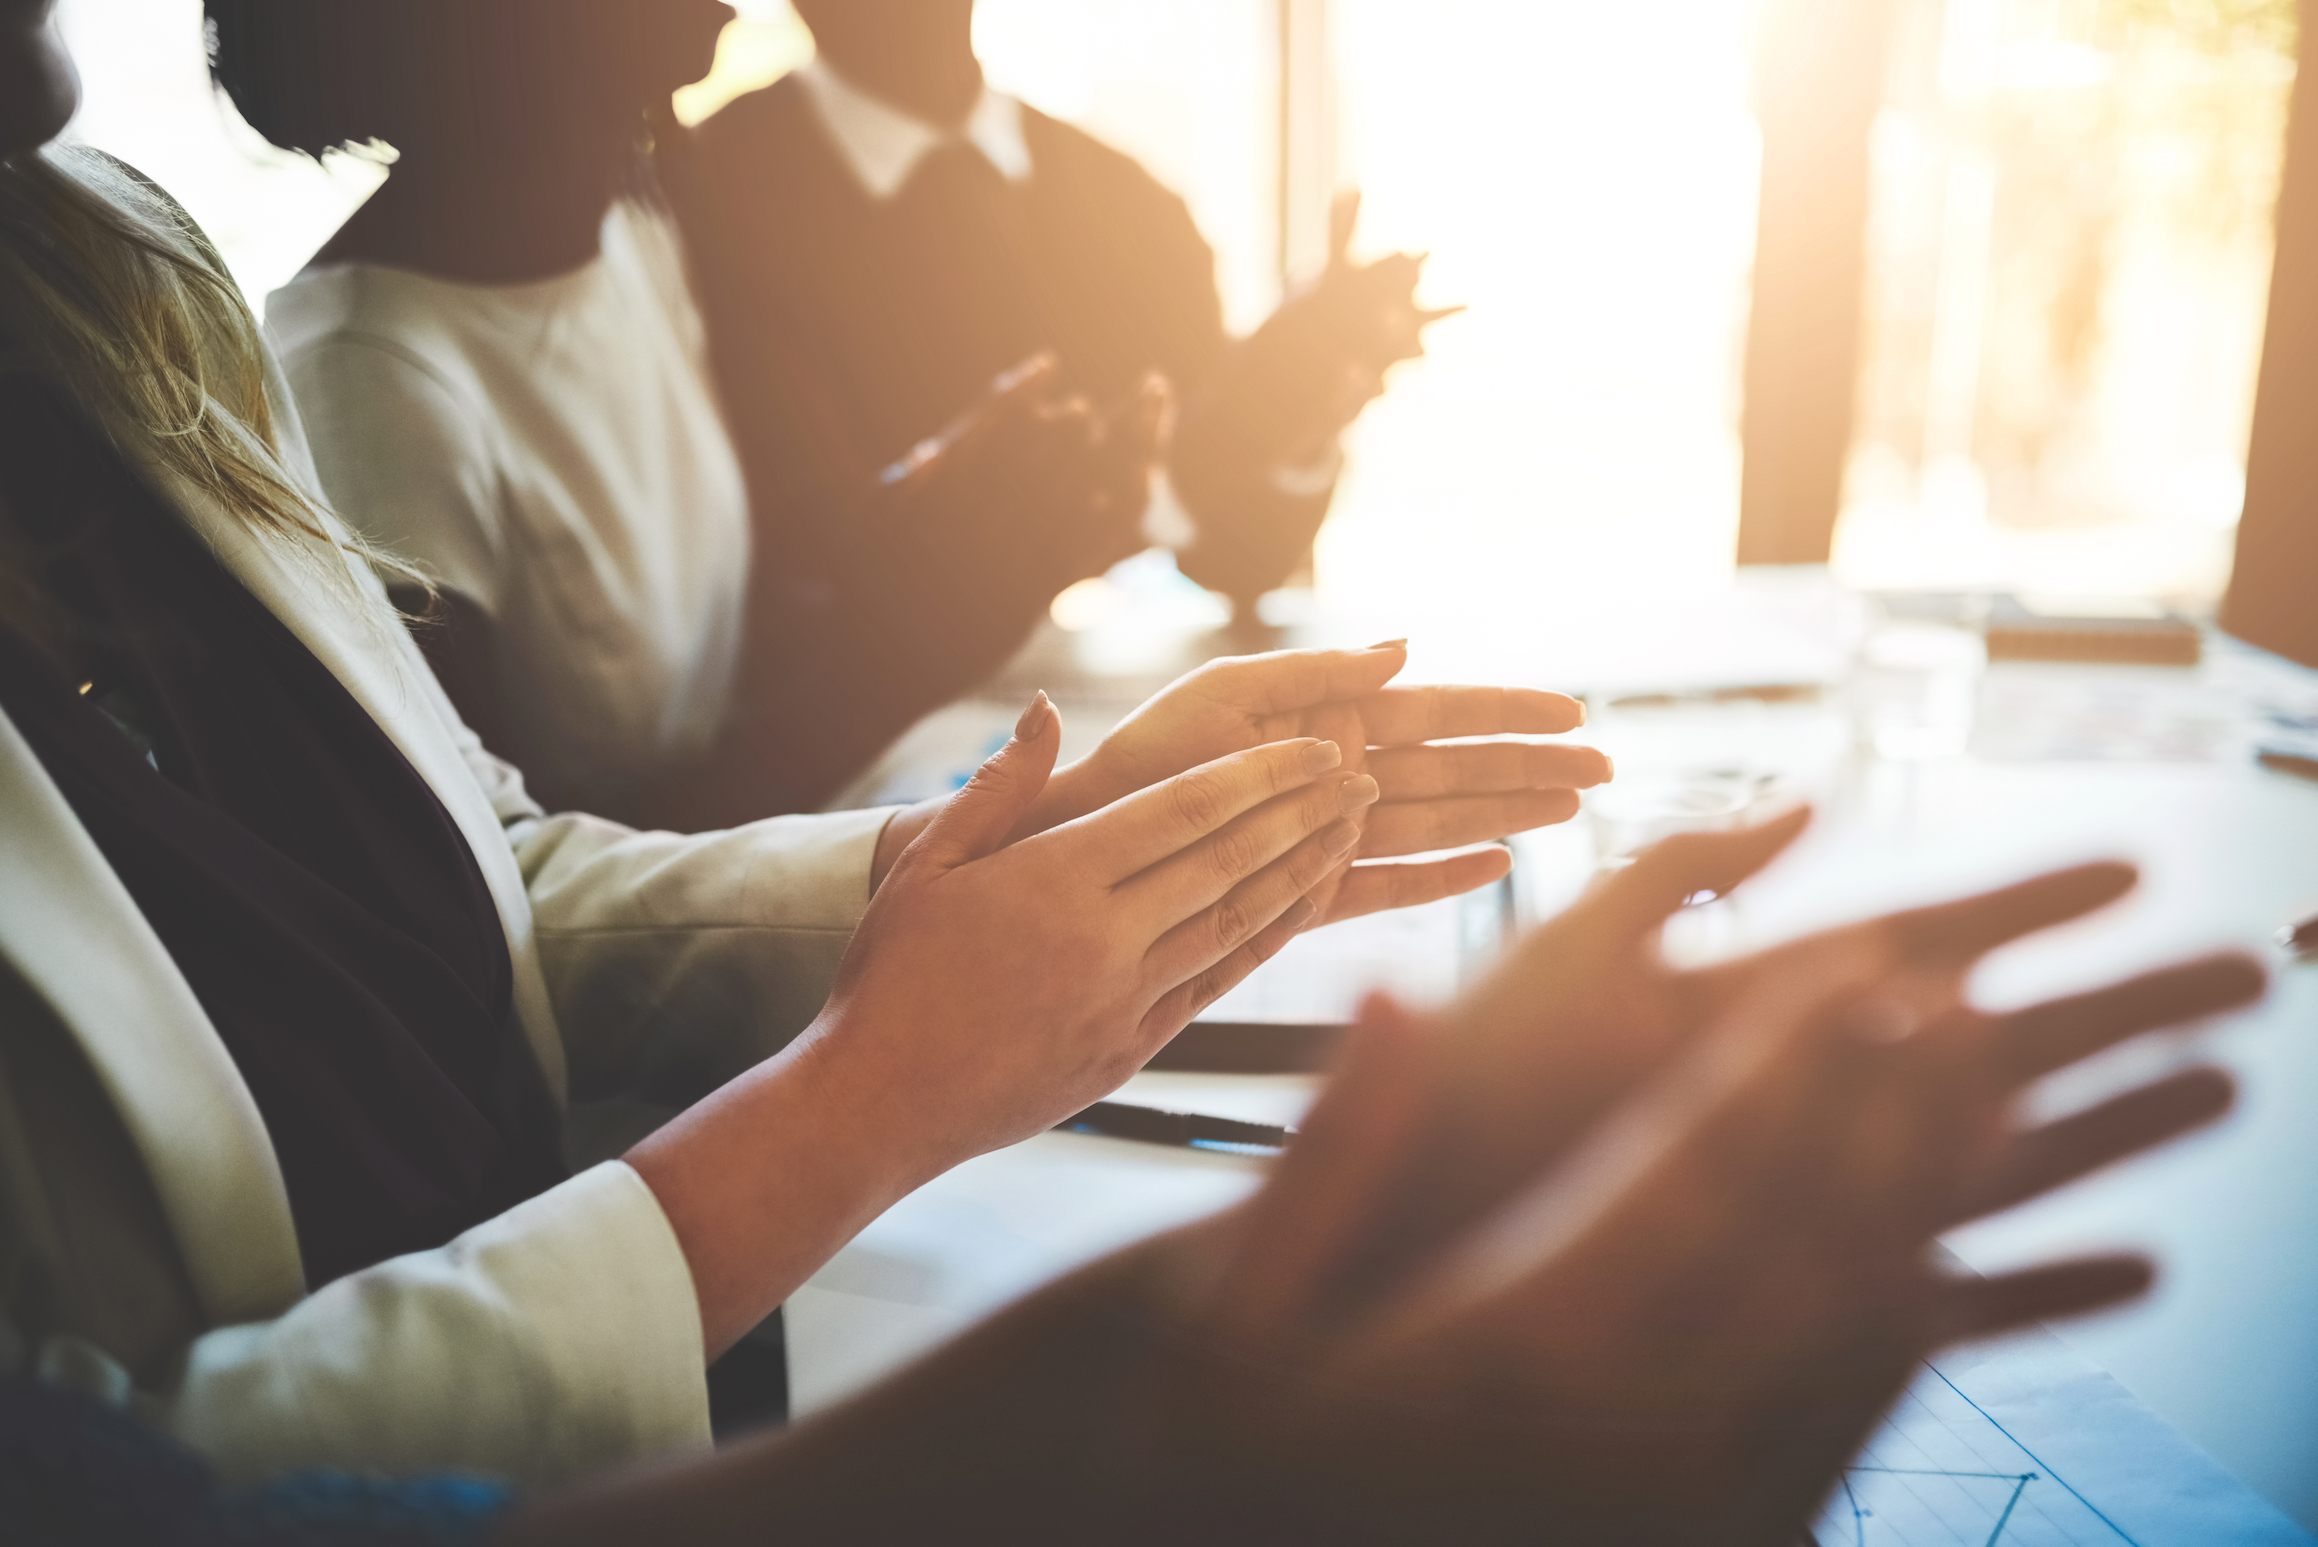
x: 993, y: 988
x: 1677, y: 1314
x: 1432, y: 795
x: 1019, y: 980
x: 1588, y: 1007
x: 1030, y: 489
x: 1322, y: 357
x: 1369, y: 310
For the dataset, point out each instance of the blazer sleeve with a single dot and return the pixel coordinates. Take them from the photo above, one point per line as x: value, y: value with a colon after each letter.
x: 675, y: 961
x: 556, y: 1339
x: 553, y: 1340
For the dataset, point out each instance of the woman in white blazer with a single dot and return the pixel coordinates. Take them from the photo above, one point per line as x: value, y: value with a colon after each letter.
x: 151, y: 1238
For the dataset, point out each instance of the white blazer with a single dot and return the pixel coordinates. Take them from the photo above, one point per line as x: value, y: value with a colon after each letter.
x: 562, y: 1335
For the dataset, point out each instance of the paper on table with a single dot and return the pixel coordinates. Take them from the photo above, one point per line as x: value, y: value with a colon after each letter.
x: 2024, y: 1443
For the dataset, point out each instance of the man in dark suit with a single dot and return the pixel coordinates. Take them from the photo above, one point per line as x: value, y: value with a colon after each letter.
x: 877, y: 237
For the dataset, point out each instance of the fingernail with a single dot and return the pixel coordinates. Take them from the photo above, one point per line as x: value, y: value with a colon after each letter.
x: 1338, y: 838
x: 1033, y: 718
x: 1299, y: 913
x: 1322, y: 756
x: 1609, y: 768
x: 1357, y: 793
x: 1391, y: 644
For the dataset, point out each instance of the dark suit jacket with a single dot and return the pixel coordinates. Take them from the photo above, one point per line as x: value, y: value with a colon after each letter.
x: 845, y: 329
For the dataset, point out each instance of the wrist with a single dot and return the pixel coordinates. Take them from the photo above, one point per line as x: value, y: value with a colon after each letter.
x: 875, y: 1118
x: 764, y: 1180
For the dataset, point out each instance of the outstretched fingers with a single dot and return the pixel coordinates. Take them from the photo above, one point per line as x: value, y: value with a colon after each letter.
x: 1421, y: 773
x: 2053, y: 1155
x: 1284, y: 681
x: 1955, y: 934
x: 1160, y: 822
x: 1982, y: 1307
x: 1223, y: 926
x: 1619, y: 917
x: 2044, y: 1037
x: 1377, y: 888
x: 1174, y: 1009
x: 1633, y: 901
x: 1206, y: 872
x: 1397, y: 717
x: 1419, y: 827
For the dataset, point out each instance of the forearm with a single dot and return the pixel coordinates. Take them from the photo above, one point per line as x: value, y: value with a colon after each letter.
x: 767, y: 1178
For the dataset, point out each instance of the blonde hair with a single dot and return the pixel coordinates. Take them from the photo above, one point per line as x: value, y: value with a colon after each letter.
x: 110, y: 290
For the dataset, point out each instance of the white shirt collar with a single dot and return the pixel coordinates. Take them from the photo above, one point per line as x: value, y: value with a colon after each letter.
x: 883, y: 145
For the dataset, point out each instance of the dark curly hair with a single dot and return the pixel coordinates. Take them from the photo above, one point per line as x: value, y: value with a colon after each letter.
x: 313, y: 75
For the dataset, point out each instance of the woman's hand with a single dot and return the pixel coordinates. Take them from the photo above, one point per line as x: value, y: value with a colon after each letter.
x: 1432, y: 796
x: 1026, y: 979
x: 993, y: 989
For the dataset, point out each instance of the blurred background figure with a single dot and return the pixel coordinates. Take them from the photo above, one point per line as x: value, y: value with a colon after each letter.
x: 880, y: 235
x: 498, y: 364
x: 503, y: 372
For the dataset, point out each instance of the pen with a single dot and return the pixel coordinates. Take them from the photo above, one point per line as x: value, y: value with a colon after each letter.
x: 1189, y: 1130
x: 2287, y: 762
x: 2300, y: 937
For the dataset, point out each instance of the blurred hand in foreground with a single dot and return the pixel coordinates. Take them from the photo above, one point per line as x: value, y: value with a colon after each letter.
x: 1681, y: 1330
x: 1587, y: 1006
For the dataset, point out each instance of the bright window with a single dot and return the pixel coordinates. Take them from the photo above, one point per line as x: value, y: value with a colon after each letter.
x: 2068, y: 271
x: 146, y: 97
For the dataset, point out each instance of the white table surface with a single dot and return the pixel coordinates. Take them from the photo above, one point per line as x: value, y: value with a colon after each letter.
x: 2226, y: 1348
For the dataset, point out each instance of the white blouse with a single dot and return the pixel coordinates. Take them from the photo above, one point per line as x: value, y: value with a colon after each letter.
x: 553, y: 453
